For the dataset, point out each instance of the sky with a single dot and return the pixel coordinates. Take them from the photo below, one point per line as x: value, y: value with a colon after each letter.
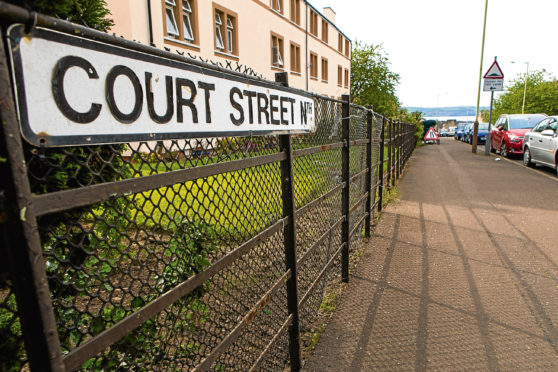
x: 435, y: 45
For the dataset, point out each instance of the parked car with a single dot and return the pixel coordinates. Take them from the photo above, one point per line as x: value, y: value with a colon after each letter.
x: 540, y: 145
x: 451, y: 131
x: 444, y: 133
x: 481, y: 134
x: 466, y: 131
x: 509, y: 130
x: 458, y: 131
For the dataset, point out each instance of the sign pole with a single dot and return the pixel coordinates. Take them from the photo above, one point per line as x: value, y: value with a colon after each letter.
x: 488, y: 141
x: 493, y: 81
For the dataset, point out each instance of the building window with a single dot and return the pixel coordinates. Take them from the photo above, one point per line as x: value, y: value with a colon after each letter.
x: 218, y: 31
x: 324, y: 69
x: 340, y: 75
x: 277, y: 5
x: 313, y: 23
x: 346, y: 78
x: 340, y: 44
x: 313, y: 65
x: 347, y: 48
x: 187, y: 20
x: 325, y: 30
x: 295, y: 57
x: 226, y: 39
x: 180, y: 20
x: 230, y: 35
x: 172, y: 28
x: 276, y: 51
x: 295, y: 11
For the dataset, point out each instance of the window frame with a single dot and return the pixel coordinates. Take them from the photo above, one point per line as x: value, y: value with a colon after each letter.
x: 339, y: 75
x: 187, y: 13
x: 294, y: 11
x: 325, y: 31
x: 178, y: 12
x: 296, y: 58
x: 346, y: 85
x: 226, y: 15
x: 347, y: 48
x: 313, y: 66
x: 325, y: 63
x: 281, y: 48
x: 313, y: 23
x: 280, y: 4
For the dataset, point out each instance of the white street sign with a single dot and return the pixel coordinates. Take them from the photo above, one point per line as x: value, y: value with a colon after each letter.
x: 496, y: 85
x: 72, y: 90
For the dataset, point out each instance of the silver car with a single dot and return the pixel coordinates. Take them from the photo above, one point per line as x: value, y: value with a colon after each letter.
x: 541, y: 144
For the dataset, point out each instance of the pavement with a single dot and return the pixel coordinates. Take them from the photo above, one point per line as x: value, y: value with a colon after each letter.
x: 461, y: 273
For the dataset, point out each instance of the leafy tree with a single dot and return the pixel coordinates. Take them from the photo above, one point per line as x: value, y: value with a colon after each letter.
x: 91, y: 13
x: 542, y: 95
x: 413, y: 118
x: 372, y: 81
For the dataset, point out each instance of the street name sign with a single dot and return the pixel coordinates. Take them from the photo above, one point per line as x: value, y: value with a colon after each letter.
x: 431, y: 135
x: 76, y: 91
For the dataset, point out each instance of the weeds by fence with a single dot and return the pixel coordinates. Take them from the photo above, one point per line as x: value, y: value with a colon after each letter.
x: 186, y: 254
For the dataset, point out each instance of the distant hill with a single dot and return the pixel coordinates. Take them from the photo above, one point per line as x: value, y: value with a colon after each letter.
x: 446, y: 111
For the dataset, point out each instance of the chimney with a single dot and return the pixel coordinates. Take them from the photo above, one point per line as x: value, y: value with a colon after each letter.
x: 329, y: 14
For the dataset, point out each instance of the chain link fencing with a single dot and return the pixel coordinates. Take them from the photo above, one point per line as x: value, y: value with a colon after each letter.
x: 204, y: 263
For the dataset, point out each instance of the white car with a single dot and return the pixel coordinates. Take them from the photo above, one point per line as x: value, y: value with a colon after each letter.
x: 541, y: 144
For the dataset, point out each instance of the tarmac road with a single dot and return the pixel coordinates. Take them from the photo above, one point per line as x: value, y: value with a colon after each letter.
x: 461, y: 274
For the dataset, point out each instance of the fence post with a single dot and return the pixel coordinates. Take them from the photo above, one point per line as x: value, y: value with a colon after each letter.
x: 397, y: 150
x: 381, y: 165
x: 389, y: 166
x: 401, y: 148
x: 21, y: 244
x: 345, y: 175
x: 289, y: 237
x: 368, y: 219
x: 405, y: 142
x: 394, y: 149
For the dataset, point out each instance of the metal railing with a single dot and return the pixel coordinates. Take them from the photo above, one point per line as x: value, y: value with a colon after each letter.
x: 187, y: 254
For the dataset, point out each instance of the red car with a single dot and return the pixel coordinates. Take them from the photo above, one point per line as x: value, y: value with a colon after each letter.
x: 509, y: 130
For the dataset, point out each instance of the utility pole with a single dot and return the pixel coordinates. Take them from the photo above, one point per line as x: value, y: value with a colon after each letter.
x: 476, y: 125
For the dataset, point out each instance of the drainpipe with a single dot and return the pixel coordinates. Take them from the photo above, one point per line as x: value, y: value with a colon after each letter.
x: 150, y: 24
x: 306, y: 46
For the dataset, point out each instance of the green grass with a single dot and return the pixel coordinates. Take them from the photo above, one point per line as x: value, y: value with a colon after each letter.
x: 237, y: 203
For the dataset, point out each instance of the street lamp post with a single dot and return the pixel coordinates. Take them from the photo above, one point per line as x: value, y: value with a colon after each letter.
x: 525, y: 87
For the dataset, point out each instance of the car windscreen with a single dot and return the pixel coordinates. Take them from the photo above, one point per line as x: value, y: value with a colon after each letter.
x: 483, y: 126
x: 524, y: 122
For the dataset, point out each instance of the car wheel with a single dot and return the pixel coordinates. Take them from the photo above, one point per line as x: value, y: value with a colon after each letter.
x: 527, y: 158
x: 492, y: 149
x: 503, y: 150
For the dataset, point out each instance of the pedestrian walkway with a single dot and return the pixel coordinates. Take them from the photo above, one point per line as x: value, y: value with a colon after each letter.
x: 461, y: 273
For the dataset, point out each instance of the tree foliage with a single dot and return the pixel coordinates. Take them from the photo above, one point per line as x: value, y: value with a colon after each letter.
x: 372, y: 81
x: 91, y: 13
x: 415, y: 118
x: 541, y: 97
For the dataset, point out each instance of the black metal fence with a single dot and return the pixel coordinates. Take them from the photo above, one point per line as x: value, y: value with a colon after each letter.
x: 187, y: 254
